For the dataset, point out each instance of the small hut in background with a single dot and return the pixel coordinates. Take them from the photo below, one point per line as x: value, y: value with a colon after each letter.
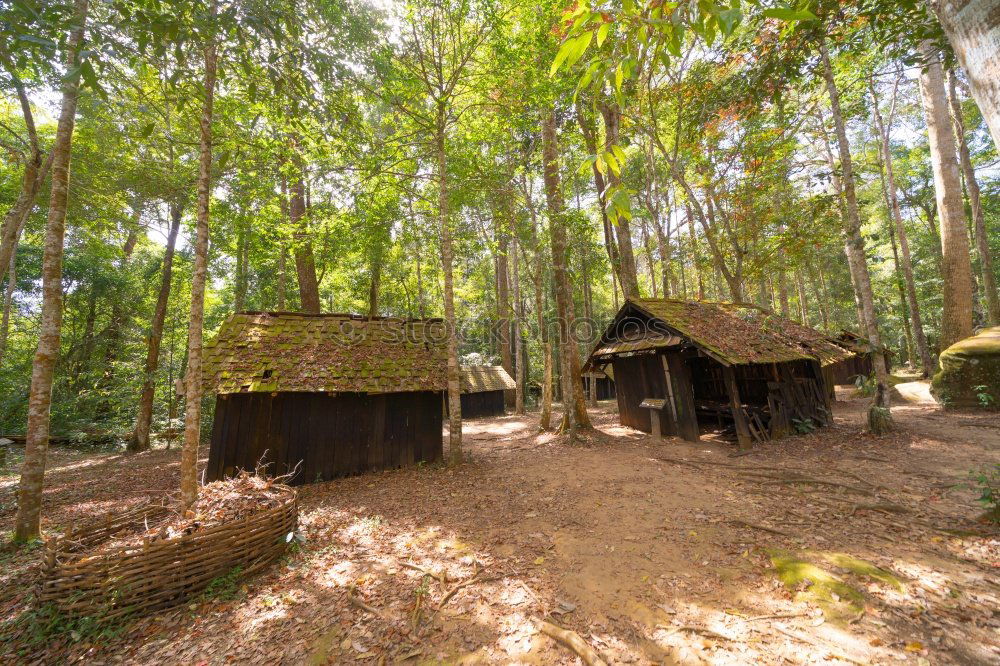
x: 861, y: 363
x: 598, y: 386
x: 326, y: 395
x: 691, y: 366
x: 483, y: 389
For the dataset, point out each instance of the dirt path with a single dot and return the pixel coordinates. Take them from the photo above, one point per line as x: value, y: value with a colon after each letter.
x: 654, y: 552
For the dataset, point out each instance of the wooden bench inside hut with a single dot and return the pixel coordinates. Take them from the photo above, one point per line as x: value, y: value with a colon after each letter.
x: 700, y: 367
x: 324, y: 396
x: 483, y: 388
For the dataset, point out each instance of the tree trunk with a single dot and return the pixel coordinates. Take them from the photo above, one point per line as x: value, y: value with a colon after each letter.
x: 447, y: 257
x: 545, y: 412
x: 27, y: 522
x: 892, y: 200
x: 36, y: 169
x: 240, y: 286
x: 800, y: 294
x: 574, y: 408
x: 956, y: 266
x: 695, y: 264
x: 629, y: 277
x: 590, y: 140
x: 305, y: 263
x: 515, y: 282
x: 854, y: 243
x: 140, y: 436
x: 663, y: 247
x: 376, y: 283
x: 502, y: 231
x: 820, y: 301
x: 282, y: 276
x: 192, y: 380
x: 973, y: 29
x: 990, y: 295
x: 8, y: 301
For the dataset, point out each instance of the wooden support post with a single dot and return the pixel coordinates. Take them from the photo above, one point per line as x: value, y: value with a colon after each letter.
x: 682, y: 396
x: 656, y: 426
x: 739, y: 418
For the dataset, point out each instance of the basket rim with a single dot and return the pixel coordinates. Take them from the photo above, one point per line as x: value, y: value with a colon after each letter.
x: 66, y: 557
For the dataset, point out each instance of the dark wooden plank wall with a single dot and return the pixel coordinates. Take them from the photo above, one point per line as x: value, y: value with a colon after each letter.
x: 332, y: 436
x: 605, y: 387
x: 484, y: 403
x: 638, y: 378
x: 845, y: 371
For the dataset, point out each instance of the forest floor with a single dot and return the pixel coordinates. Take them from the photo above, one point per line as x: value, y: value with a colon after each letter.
x: 831, y: 547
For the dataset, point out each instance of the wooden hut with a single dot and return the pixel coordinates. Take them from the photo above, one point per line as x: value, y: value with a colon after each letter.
x: 690, y: 366
x: 861, y: 363
x: 598, y: 386
x: 483, y: 389
x: 326, y: 395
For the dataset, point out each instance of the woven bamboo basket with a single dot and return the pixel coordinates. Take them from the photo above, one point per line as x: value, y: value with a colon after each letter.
x: 138, y: 579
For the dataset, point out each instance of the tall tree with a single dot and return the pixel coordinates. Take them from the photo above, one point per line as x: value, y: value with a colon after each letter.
x: 36, y: 167
x: 973, y: 27
x: 989, y: 281
x: 956, y: 265
x: 139, y: 441
x: 192, y: 380
x: 854, y: 246
x: 305, y: 262
x: 884, y: 127
x: 27, y: 522
x: 574, y: 408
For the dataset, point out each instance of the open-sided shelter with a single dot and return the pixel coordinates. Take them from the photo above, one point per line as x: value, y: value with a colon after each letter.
x: 325, y: 395
x: 598, y: 386
x: 704, y: 365
x: 483, y: 389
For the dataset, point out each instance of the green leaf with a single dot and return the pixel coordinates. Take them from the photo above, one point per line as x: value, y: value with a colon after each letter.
x: 619, y: 153
x: 729, y: 19
x: 785, y: 14
x: 601, y: 166
x: 582, y: 42
x: 147, y: 130
x: 564, y: 51
x: 619, y: 77
x: 602, y: 33
x: 612, y: 163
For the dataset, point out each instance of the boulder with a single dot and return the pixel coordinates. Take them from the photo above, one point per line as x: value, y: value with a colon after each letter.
x: 969, y: 377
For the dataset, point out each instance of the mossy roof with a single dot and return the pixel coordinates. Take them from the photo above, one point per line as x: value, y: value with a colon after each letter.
x: 815, y: 343
x: 736, y: 334
x: 293, y: 352
x: 483, y: 378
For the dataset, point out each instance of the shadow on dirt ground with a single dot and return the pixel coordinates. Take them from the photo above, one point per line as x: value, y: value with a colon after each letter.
x: 832, y: 547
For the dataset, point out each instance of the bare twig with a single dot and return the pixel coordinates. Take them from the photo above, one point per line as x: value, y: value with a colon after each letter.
x: 571, y: 640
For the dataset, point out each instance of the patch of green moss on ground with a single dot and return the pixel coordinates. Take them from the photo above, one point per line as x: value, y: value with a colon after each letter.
x: 812, y: 583
x: 864, y: 569
x: 818, y: 586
